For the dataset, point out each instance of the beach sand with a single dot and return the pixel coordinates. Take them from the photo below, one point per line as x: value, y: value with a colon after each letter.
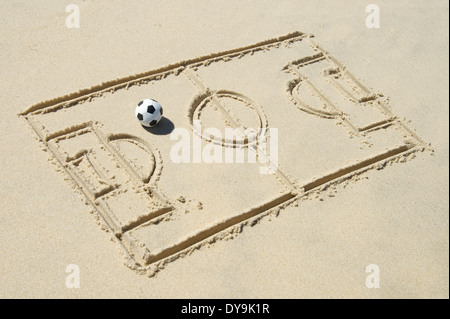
x: 357, y: 116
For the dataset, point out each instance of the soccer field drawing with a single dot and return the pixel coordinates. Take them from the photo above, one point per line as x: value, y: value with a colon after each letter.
x: 155, y: 208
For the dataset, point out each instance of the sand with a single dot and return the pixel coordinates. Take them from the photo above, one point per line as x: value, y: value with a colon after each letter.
x: 361, y: 177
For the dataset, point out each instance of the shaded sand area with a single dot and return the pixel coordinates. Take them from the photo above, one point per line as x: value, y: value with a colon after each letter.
x: 361, y: 133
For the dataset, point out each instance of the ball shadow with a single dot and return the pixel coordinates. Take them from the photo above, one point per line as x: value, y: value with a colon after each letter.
x: 164, y: 127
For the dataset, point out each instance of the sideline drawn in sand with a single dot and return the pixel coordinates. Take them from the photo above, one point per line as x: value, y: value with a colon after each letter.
x: 331, y: 128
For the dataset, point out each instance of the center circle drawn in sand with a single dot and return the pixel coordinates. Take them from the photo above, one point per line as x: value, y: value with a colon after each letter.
x: 235, y: 111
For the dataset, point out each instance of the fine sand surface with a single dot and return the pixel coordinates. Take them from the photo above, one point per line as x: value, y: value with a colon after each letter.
x: 360, y: 117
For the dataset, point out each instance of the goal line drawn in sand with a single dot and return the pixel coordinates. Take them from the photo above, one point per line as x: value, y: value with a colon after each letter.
x: 125, y: 173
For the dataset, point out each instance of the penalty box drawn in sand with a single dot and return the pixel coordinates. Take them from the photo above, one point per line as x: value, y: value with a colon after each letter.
x: 330, y: 127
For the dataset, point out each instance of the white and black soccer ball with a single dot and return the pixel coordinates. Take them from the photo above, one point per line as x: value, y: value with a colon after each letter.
x: 149, y: 112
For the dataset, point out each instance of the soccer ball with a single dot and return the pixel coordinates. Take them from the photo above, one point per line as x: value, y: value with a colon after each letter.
x: 149, y: 112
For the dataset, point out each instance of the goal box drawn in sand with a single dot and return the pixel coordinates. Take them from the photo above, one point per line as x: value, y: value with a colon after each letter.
x: 159, y: 210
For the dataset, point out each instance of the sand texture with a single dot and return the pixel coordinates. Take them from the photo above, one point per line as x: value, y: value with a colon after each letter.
x: 361, y: 124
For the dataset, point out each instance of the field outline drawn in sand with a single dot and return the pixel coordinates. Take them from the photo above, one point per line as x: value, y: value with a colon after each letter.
x: 104, y: 187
